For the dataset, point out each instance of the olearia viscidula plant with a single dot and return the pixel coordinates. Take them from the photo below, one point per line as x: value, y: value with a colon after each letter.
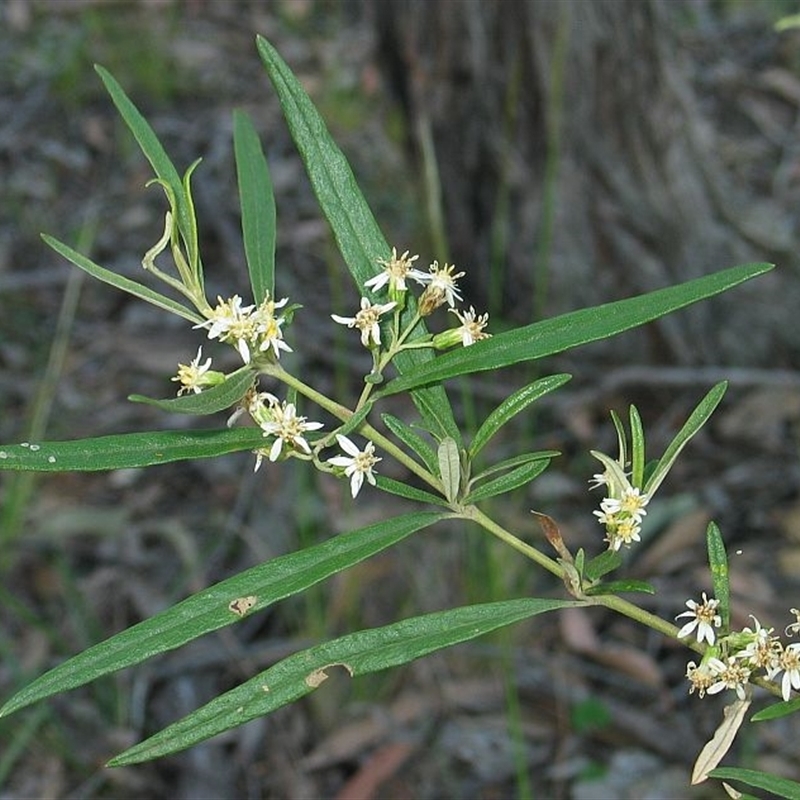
x: 402, y: 321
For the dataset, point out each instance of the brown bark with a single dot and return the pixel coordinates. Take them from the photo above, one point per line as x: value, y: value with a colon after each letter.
x: 574, y: 163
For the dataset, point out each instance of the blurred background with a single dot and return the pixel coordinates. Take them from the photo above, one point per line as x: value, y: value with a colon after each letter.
x: 564, y: 154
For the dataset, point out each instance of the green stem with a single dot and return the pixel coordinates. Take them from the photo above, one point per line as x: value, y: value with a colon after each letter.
x: 397, y: 346
x: 628, y: 609
x: 344, y: 414
x: 475, y: 514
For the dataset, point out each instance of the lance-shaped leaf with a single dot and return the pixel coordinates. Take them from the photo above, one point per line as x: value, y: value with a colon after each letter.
x: 696, y: 420
x: 514, y: 461
x: 357, y: 653
x: 409, y: 492
x: 570, y: 330
x: 508, y: 482
x: 220, y: 605
x: 715, y: 749
x: 357, y: 234
x: 513, y: 405
x: 620, y: 587
x: 209, y: 401
x: 412, y: 439
x: 119, y: 282
x: 450, y: 468
x: 258, y: 206
x: 777, y: 710
x: 152, y: 149
x: 718, y: 563
x: 637, y: 448
x: 127, y: 450
x: 774, y: 784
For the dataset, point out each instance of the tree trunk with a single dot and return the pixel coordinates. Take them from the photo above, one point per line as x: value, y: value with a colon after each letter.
x: 574, y: 165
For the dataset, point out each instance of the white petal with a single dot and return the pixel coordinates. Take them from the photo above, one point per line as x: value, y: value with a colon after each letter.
x: 347, y: 445
x: 355, y: 482
x: 275, y: 450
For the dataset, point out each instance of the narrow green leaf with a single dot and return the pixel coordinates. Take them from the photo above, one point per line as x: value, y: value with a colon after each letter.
x: 355, y: 421
x: 511, y: 480
x: 450, y: 468
x: 637, y: 449
x: 409, y: 492
x: 209, y: 401
x: 258, y: 206
x: 127, y: 450
x: 358, y: 653
x: 698, y: 418
x: 580, y: 563
x: 119, y: 282
x: 780, y: 787
x: 357, y: 234
x: 570, y: 330
x: 409, y: 437
x: 151, y: 147
x: 777, y: 710
x: 619, y: 587
x: 512, y: 406
x: 515, y: 461
x: 622, y: 440
x: 602, y: 564
x: 220, y: 605
x: 190, y: 236
x: 718, y: 563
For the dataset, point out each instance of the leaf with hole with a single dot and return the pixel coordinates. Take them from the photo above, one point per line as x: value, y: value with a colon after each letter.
x: 221, y: 605
x: 357, y: 653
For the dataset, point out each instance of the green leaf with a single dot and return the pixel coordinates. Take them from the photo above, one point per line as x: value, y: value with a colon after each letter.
x: 409, y: 492
x: 570, y: 330
x: 602, y: 564
x: 450, y: 468
x: 209, y: 401
x: 190, y: 236
x: 511, y: 480
x: 258, y: 206
x: 780, y: 787
x: 637, y: 449
x: 622, y: 440
x: 696, y: 420
x: 356, y: 420
x: 409, y: 437
x: 119, y: 282
x: 618, y: 587
x: 718, y: 562
x: 777, y: 710
x: 126, y: 450
x: 152, y: 149
x: 220, y: 605
x: 358, y: 653
x: 512, y: 406
x: 515, y: 461
x: 357, y: 234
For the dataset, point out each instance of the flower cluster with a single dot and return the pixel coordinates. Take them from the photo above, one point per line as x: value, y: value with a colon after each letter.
x: 256, y: 332
x: 730, y: 661
x: 622, y: 510
x: 279, y: 419
x: 250, y: 329
x: 441, y: 287
x: 194, y: 377
x: 357, y: 464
